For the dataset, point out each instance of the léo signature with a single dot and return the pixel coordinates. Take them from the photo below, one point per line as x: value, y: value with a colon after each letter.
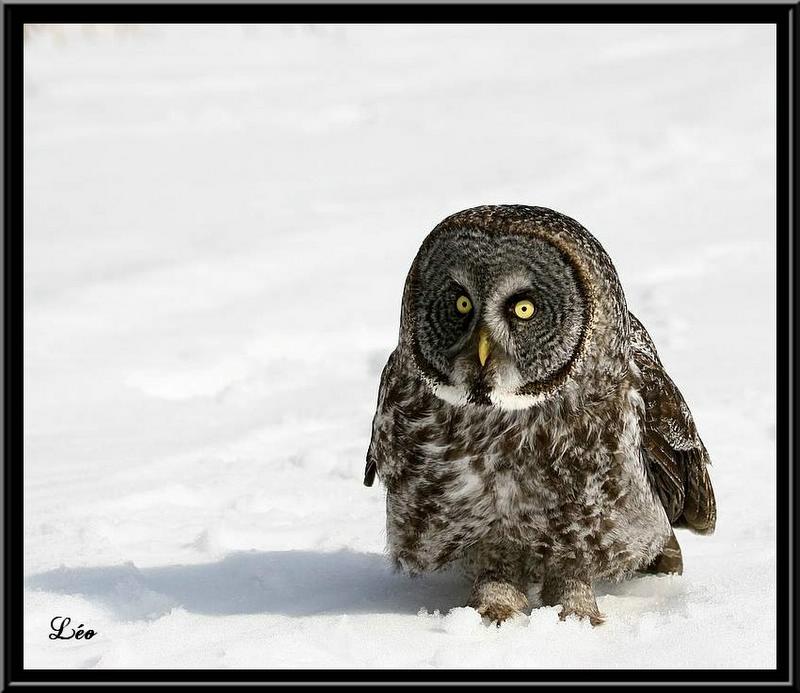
x: 58, y: 624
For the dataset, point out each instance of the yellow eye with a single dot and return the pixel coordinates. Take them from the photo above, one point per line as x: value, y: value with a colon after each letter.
x: 463, y: 305
x: 523, y: 309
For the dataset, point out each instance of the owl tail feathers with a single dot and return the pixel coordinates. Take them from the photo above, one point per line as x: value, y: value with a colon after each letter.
x: 369, y: 472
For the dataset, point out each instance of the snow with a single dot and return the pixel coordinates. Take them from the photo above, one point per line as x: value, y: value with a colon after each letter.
x: 218, y: 224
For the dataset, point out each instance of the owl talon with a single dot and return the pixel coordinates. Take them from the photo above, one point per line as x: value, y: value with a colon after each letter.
x: 594, y: 616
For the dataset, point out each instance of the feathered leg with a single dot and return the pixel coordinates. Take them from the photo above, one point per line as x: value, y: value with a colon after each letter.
x: 500, y: 573
x: 576, y: 596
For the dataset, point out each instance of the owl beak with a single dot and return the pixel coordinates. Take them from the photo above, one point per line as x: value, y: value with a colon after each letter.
x: 484, y: 346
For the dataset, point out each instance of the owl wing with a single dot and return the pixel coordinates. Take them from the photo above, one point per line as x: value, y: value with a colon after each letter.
x: 382, y: 422
x: 675, y: 456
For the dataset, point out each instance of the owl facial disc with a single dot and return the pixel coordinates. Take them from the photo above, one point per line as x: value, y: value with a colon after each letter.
x: 498, y: 317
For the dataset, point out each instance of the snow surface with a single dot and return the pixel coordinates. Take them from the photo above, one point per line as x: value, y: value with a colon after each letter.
x: 218, y: 224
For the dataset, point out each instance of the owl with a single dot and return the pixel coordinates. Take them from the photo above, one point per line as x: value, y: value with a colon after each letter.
x: 525, y: 427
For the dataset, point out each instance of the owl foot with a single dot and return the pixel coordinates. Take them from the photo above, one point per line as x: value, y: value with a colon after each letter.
x: 497, y: 600
x: 593, y: 614
x: 576, y: 597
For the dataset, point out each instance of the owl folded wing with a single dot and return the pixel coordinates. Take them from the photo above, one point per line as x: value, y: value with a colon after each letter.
x: 675, y: 456
x: 381, y: 424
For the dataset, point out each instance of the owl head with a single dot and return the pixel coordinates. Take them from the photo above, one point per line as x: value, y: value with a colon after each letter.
x: 503, y: 303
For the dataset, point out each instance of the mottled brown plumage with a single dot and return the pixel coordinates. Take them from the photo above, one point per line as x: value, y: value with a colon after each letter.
x: 566, y: 456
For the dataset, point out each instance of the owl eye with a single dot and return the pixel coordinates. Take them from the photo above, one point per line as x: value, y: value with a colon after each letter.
x: 463, y: 305
x: 524, y: 309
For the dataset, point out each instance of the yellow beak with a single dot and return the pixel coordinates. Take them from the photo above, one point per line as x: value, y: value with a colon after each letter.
x: 484, y: 346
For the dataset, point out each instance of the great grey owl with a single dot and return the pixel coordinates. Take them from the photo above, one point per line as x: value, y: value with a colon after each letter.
x: 525, y: 425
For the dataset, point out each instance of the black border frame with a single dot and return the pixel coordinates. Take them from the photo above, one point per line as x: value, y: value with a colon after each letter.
x: 785, y: 18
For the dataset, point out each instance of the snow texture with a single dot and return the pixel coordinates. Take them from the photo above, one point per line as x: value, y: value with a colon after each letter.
x: 218, y: 224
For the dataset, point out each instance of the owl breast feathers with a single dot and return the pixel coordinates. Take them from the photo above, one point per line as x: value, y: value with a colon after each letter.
x: 525, y: 426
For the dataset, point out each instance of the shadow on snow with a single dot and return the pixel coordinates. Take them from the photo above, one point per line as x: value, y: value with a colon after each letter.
x: 292, y: 583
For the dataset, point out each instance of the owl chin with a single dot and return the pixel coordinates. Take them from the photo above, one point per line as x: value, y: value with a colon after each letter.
x: 512, y: 401
x: 482, y: 396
